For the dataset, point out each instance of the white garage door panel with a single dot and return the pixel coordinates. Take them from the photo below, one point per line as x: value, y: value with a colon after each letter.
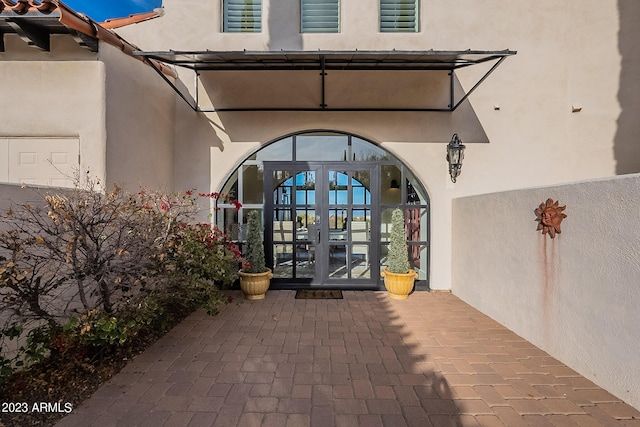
x: 43, y: 161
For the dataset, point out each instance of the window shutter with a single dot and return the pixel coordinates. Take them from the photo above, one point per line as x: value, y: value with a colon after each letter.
x: 320, y: 16
x: 242, y: 16
x: 398, y: 15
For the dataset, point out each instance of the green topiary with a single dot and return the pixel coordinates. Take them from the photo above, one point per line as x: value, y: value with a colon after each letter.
x: 254, y: 254
x: 398, y: 259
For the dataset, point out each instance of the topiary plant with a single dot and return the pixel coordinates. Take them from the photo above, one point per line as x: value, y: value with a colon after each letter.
x: 398, y: 259
x: 254, y: 254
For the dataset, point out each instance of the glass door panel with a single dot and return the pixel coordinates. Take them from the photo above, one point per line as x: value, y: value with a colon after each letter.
x: 320, y: 229
x: 349, y: 200
x: 293, y: 227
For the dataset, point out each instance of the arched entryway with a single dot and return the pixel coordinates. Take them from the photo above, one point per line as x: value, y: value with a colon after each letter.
x: 326, y: 199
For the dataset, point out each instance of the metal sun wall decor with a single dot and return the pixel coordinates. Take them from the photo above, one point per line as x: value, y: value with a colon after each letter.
x: 549, y: 216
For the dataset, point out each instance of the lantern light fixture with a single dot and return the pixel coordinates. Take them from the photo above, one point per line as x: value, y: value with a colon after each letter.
x: 455, y: 154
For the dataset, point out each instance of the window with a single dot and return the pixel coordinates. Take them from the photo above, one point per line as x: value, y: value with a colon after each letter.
x: 398, y: 16
x: 242, y: 16
x: 320, y: 16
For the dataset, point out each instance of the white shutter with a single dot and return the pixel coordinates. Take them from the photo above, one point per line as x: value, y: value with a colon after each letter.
x: 320, y: 16
x: 242, y: 16
x: 398, y: 15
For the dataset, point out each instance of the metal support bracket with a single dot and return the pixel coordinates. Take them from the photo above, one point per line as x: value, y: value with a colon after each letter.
x: 470, y: 91
x: 185, y: 96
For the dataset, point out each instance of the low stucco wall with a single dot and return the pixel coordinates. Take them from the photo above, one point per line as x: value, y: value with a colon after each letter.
x: 575, y: 296
x: 14, y: 194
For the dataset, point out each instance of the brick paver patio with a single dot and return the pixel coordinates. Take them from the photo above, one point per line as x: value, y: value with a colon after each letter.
x: 364, y: 360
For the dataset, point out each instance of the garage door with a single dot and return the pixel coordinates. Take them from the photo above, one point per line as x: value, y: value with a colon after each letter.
x: 40, y: 161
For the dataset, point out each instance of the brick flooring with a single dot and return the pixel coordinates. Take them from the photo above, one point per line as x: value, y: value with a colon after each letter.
x: 365, y: 360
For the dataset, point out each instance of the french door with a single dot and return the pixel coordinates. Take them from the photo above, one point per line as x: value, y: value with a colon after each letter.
x: 320, y: 223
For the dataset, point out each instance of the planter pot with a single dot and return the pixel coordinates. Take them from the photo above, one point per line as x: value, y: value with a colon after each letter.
x: 399, y: 285
x: 255, y: 285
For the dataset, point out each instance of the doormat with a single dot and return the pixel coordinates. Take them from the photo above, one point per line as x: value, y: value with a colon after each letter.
x: 318, y: 294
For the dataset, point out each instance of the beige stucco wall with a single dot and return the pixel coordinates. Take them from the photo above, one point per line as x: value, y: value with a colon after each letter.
x: 570, y: 54
x: 140, y: 123
x: 55, y: 94
x: 125, y: 137
x: 575, y: 296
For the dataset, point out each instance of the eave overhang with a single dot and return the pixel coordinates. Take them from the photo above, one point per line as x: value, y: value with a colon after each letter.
x: 36, y: 20
x: 325, y: 61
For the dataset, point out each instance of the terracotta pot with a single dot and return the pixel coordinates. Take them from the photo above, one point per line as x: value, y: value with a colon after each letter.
x: 255, y: 285
x: 399, y: 285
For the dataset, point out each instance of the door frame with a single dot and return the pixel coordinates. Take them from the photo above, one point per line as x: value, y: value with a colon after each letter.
x: 321, y: 277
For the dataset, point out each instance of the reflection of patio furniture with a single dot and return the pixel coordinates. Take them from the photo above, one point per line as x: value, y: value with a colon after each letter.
x: 337, y: 234
x: 360, y: 233
x: 302, y: 234
x: 309, y: 248
x: 282, y: 232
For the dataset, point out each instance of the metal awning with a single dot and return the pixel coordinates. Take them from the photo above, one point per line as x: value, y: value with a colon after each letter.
x: 324, y: 61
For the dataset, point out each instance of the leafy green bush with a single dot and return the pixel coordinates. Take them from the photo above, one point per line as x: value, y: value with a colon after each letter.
x: 202, y: 252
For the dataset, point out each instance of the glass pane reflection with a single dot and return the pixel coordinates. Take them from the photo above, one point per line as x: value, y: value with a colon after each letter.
x: 360, y: 225
x: 338, y: 184
x: 416, y: 224
x: 360, y: 188
x: 283, y: 260
x: 390, y: 179
x: 338, y: 261
x: 418, y: 260
x: 277, y: 151
x: 364, y: 151
x: 360, y: 268
x: 321, y: 147
x: 305, y: 260
x: 252, y: 184
x: 283, y: 187
x: 385, y: 224
x: 414, y: 194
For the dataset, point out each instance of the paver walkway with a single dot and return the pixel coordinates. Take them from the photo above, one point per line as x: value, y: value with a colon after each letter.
x: 364, y: 360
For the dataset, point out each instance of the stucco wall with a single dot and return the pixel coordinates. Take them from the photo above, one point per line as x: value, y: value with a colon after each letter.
x: 525, y: 107
x: 55, y: 94
x: 140, y: 123
x: 575, y: 296
x: 570, y: 54
x: 14, y: 194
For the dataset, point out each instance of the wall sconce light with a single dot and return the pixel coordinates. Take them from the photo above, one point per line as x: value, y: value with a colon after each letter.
x: 394, y: 185
x: 455, y: 154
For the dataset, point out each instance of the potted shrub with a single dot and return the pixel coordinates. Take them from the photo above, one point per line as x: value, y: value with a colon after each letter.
x: 254, y: 275
x: 398, y: 277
